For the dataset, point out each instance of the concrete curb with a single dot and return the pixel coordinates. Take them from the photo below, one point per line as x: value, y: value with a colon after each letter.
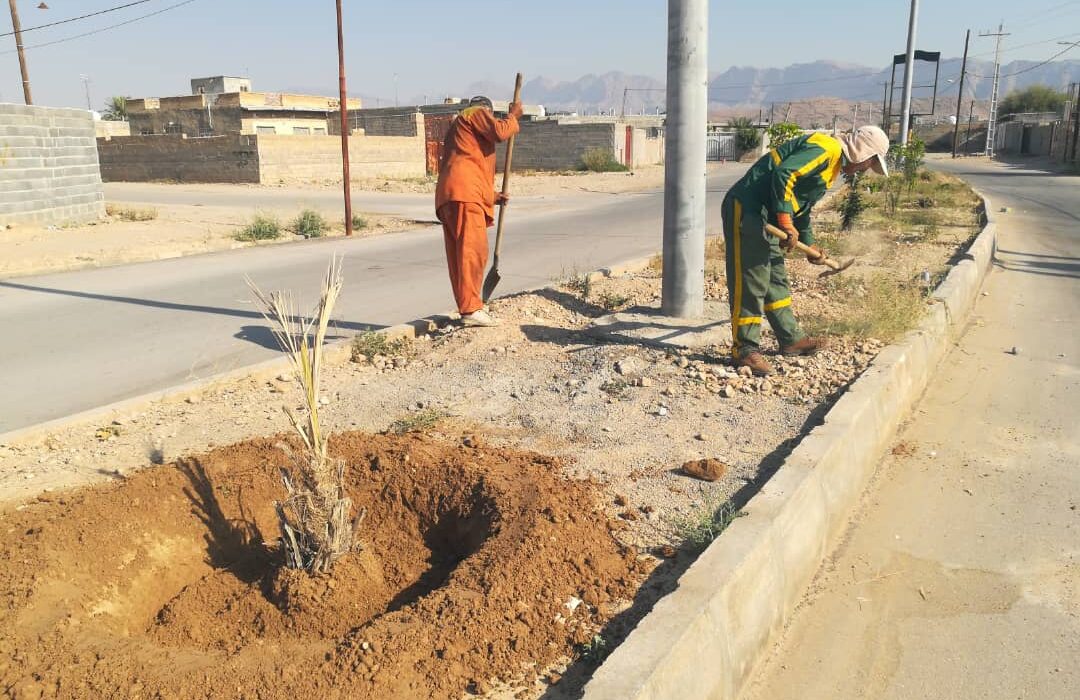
x: 704, y: 639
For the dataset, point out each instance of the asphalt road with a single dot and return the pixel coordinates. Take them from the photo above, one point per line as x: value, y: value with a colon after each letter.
x: 80, y: 340
x: 960, y: 575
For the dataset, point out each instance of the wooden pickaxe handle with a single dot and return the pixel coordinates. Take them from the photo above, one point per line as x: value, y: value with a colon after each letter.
x: 802, y: 247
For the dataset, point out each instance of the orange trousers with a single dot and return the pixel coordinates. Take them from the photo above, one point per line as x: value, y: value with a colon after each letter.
x: 465, y: 235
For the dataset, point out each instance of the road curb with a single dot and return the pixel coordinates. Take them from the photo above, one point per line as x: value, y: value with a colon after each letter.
x: 704, y: 639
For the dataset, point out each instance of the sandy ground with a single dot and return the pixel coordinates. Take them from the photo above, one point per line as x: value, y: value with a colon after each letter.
x: 178, y: 230
x: 627, y: 417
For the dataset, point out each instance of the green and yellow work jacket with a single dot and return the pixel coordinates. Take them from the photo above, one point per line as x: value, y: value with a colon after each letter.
x: 790, y: 179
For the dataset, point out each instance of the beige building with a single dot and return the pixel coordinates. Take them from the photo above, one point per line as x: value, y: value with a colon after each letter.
x: 226, y: 105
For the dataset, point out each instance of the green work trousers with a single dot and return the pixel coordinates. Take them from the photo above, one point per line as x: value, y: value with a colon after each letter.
x: 757, y: 280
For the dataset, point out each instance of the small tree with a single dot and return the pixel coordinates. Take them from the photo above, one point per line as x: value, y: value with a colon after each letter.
x: 115, y: 109
x: 853, y: 204
x: 747, y: 137
x: 316, y: 521
x: 909, y: 159
x: 781, y: 132
x: 1037, y: 98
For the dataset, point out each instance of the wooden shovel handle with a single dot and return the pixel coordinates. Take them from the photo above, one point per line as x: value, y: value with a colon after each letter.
x: 799, y: 245
x: 506, y: 172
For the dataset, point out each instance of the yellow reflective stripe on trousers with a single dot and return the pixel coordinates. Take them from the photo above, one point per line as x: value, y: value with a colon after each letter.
x: 736, y: 304
x: 748, y: 321
x: 778, y: 304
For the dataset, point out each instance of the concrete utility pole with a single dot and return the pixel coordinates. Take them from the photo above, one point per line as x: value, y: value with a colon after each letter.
x: 909, y: 74
x: 86, y: 86
x: 683, y: 293
x: 22, y: 54
x: 960, y: 95
x: 991, y: 123
x: 344, y: 109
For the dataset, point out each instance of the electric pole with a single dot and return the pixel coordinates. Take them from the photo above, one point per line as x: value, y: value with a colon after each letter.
x: 909, y: 74
x: 344, y: 109
x: 86, y: 86
x: 22, y: 54
x: 683, y: 289
x: 855, y: 118
x: 991, y: 124
x: 885, y: 114
x: 960, y: 95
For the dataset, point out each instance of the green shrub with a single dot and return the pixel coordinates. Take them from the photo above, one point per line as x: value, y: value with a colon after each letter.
x: 852, y: 205
x: 359, y: 222
x: 262, y: 228
x: 781, y: 132
x: 371, y: 343
x: 601, y: 160
x: 309, y: 224
x: 747, y: 138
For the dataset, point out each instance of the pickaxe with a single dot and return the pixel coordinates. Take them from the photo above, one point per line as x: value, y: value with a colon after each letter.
x: 834, y: 267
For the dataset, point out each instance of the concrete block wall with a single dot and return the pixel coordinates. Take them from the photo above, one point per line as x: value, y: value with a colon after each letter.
x: 551, y: 145
x: 173, y: 157
x: 306, y: 158
x: 48, y: 166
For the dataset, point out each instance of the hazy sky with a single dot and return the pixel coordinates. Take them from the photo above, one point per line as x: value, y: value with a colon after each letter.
x: 436, y: 47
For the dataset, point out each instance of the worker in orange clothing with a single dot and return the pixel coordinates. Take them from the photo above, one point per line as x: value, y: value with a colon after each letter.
x: 465, y: 200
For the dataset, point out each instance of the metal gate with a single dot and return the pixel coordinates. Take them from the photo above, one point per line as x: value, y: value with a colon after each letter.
x: 435, y: 128
x: 720, y: 146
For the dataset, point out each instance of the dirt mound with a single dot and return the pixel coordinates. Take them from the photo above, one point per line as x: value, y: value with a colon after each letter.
x: 478, y: 564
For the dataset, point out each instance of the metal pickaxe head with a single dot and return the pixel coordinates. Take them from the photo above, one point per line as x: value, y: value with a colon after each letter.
x: 836, y: 268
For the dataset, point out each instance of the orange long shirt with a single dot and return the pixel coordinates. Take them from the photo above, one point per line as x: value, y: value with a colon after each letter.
x: 467, y: 173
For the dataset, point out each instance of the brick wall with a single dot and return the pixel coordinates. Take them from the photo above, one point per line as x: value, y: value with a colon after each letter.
x: 48, y: 166
x: 233, y: 158
x: 300, y: 158
x: 551, y: 145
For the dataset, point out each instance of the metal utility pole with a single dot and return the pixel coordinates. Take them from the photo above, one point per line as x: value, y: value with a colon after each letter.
x: 86, y: 86
x: 909, y: 74
x: 683, y: 290
x: 885, y: 114
x: 344, y: 108
x: 22, y: 54
x: 960, y: 95
x: 971, y: 116
x: 991, y: 124
x: 855, y: 118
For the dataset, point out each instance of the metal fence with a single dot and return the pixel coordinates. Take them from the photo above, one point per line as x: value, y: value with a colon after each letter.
x: 719, y: 146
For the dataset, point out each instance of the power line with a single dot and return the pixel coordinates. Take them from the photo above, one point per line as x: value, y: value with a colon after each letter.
x: 73, y: 19
x: 1031, y: 68
x: 104, y: 29
x: 1044, y: 14
x: 1023, y: 46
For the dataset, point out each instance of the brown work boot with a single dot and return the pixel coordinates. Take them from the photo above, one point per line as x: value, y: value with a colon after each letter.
x: 757, y: 364
x: 806, y: 346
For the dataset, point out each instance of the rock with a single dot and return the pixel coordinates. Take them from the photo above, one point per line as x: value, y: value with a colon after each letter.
x: 1015, y: 350
x: 626, y: 365
x: 645, y: 382
x: 620, y: 500
x: 662, y: 411
x: 668, y: 391
x: 728, y: 392
x: 701, y: 436
x: 766, y: 387
x: 193, y: 399
x: 324, y: 401
x: 468, y: 441
x: 708, y: 469
x: 746, y: 372
x: 666, y: 551
x: 285, y: 378
x: 683, y: 363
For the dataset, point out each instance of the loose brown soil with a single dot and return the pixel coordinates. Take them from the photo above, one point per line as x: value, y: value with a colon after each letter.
x: 478, y: 564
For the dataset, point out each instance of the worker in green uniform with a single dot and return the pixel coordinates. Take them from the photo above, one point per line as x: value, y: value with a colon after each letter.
x: 781, y: 188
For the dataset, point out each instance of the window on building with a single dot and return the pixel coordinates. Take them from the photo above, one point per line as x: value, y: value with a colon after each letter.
x: 653, y: 132
x: 265, y: 130
x: 173, y: 128
x: 320, y: 131
x: 301, y: 130
x: 243, y: 88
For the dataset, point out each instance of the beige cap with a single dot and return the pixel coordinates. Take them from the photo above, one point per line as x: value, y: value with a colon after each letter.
x: 866, y: 143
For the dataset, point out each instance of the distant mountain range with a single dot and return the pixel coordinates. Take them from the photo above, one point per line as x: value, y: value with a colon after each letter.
x: 747, y: 87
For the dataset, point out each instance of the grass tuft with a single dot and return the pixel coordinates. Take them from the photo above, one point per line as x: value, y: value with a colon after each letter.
x: 262, y: 228
x: 418, y: 422
x: 877, y: 307
x: 309, y: 224
x: 131, y: 214
x: 371, y: 343
x: 699, y: 529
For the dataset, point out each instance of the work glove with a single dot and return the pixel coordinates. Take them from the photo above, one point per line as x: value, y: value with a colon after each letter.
x: 501, y: 198
x: 785, y: 223
x: 817, y: 256
x: 516, y: 110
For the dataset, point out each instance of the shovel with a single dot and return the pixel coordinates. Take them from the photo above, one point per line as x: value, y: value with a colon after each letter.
x: 834, y: 267
x: 493, y: 276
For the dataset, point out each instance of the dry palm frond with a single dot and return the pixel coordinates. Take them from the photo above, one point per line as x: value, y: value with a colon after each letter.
x: 315, y: 518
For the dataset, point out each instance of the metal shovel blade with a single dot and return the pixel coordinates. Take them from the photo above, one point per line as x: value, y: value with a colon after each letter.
x: 838, y: 269
x: 491, y: 281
